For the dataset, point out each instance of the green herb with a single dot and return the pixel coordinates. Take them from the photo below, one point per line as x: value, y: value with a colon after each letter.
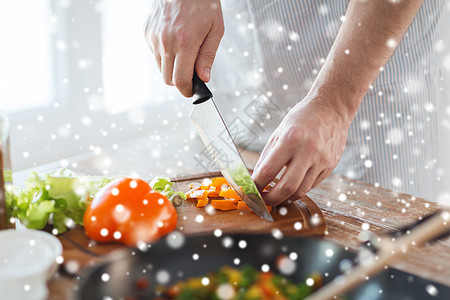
x: 59, y: 196
x: 164, y: 186
x: 243, y: 179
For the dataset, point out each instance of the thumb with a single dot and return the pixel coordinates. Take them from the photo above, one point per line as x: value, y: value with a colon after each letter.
x: 206, y: 55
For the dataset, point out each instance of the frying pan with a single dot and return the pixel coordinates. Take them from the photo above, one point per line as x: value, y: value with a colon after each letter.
x: 178, y: 257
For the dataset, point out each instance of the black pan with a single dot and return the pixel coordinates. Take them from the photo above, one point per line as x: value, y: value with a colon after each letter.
x: 125, y: 274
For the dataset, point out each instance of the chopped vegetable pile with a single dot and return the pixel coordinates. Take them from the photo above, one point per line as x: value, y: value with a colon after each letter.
x: 245, y: 283
x: 219, y: 191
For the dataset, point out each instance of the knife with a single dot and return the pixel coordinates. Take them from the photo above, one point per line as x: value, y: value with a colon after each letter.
x: 220, y: 145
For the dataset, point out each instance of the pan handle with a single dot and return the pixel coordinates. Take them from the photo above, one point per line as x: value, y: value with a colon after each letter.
x: 372, y: 242
x: 200, y: 90
x: 406, y: 229
x: 434, y: 226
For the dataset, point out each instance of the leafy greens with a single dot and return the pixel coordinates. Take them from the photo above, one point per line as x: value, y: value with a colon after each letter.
x: 59, y: 196
x: 164, y: 186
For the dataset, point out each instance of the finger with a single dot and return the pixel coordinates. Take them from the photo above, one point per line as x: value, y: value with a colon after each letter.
x: 265, y: 151
x: 277, y: 158
x: 308, y: 181
x: 151, y: 39
x: 288, y: 184
x: 183, y: 72
x: 167, y: 68
x: 207, y: 54
x: 322, y: 176
x: 158, y: 61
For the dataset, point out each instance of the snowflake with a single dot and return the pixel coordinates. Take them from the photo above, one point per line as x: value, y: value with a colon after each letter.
x: 395, y: 136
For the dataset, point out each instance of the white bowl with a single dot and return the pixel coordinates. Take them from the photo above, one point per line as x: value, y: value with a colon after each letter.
x: 27, y: 261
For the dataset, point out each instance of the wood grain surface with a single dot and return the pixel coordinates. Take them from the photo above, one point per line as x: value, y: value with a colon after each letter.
x: 302, y: 214
x: 380, y: 210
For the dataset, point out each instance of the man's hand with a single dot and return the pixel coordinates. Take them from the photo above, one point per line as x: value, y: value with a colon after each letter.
x: 184, y: 35
x: 311, y: 138
x: 309, y: 142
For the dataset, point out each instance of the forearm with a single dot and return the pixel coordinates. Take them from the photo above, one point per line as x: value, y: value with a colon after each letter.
x: 366, y: 40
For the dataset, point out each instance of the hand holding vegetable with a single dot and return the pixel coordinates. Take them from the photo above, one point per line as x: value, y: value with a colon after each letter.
x: 184, y: 35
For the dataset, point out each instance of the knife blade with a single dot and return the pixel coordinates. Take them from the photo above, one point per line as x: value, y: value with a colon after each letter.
x: 219, y: 143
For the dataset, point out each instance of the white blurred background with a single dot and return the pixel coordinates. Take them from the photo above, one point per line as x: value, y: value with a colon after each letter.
x: 77, y: 76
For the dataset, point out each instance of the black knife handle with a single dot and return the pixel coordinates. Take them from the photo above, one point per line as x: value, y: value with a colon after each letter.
x: 200, y: 90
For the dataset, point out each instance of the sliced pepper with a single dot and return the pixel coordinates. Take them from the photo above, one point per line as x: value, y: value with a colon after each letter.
x: 213, y: 192
x: 218, y: 181
x: 229, y: 193
x: 242, y: 205
x: 224, y: 204
x: 201, y: 202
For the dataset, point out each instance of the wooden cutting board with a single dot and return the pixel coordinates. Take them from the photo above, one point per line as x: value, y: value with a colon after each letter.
x: 298, y: 217
x: 301, y: 217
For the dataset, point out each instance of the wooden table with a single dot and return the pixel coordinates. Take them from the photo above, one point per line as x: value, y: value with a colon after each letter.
x: 363, y: 204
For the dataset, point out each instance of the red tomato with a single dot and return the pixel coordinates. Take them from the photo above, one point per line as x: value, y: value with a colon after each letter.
x: 128, y: 210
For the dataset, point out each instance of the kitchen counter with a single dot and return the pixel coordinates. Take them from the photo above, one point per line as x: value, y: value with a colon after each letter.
x: 348, y: 205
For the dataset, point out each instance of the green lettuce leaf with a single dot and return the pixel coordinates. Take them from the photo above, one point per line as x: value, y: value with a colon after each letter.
x: 164, y: 186
x: 59, y: 196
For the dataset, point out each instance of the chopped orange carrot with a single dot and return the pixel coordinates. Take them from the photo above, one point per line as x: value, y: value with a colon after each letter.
x: 213, y: 192
x: 217, y: 187
x: 223, y: 186
x: 229, y: 193
x: 242, y: 205
x: 219, y: 181
x: 223, y: 204
x: 202, y: 202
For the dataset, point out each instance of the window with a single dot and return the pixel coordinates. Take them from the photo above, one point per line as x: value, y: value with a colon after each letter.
x: 78, y: 76
x: 130, y: 74
x: 26, y: 73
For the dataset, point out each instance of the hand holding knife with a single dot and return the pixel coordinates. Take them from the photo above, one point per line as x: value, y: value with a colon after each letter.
x: 218, y: 141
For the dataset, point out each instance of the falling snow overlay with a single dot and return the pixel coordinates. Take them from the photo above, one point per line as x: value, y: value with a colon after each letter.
x: 90, y: 97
